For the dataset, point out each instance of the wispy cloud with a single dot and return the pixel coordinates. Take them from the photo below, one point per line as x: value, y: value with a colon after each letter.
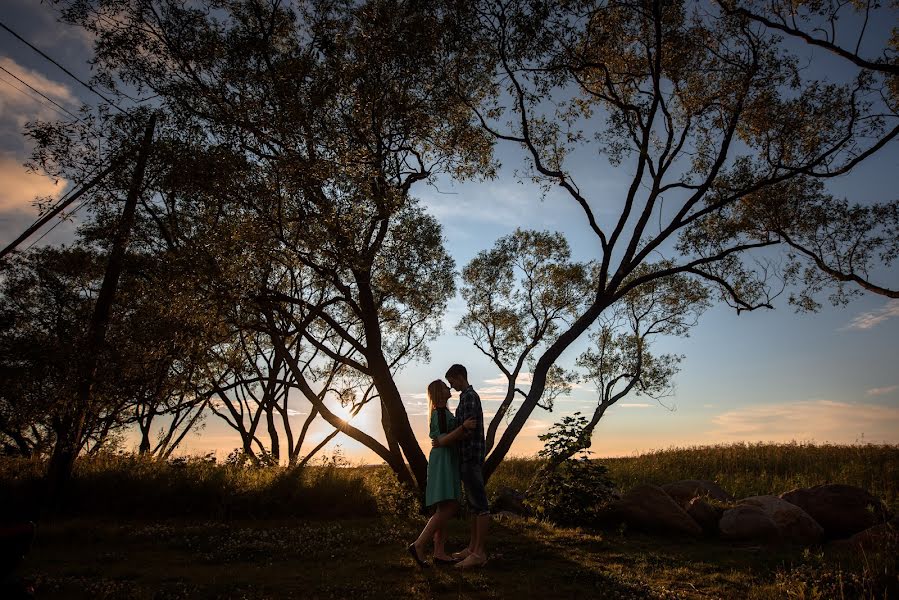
x: 872, y: 318
x: 808, y: 420
x: 18, y: 104
x: 633, y: 404
x: 524, y: 378
x: 882, y: 391
x: 20, y: 187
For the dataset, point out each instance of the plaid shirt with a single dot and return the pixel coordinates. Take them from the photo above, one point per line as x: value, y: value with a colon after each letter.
x: 472, y: 447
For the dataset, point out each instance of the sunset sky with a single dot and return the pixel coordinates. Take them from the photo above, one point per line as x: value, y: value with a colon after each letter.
x: 769, y: 375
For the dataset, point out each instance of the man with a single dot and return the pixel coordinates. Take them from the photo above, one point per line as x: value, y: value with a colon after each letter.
x: 472, y: 449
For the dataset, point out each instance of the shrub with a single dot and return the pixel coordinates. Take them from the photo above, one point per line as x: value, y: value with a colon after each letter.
x: 569, y: 491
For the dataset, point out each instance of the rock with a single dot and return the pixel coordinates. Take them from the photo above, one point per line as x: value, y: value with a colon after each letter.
x: 878, y: 537
x: 794, y: 524
x: 842, y: 510
x: 686, y: 490
x: 507, y: 515
x: 649, y: 508
x: 706, y: 515
x: 748, y: 522
x: 509, y: 500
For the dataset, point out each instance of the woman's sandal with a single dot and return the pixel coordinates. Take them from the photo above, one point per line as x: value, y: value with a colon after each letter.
x: 421, y: 563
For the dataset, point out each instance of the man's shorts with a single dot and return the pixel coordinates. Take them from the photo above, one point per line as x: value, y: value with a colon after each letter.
x: 473, y: 478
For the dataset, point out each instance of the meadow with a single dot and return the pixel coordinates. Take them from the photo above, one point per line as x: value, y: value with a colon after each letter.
x: 137, y: 528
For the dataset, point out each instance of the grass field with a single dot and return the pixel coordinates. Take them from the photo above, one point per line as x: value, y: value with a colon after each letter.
x: 137, y: 529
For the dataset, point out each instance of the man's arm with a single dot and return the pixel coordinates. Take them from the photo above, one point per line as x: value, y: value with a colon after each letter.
x: 455, y: 435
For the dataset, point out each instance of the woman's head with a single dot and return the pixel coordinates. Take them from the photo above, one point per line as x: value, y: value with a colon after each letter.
x: 438, y: 394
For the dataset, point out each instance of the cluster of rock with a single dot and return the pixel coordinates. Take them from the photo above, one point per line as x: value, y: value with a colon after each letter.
x: 698, y: 508
x: 801, y: 516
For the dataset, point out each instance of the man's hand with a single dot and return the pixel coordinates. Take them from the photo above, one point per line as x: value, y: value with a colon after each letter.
x: 470, y: 423
x: 435, y: 443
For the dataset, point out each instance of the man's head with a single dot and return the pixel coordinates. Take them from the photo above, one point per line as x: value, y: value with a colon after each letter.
x: 457, y: 376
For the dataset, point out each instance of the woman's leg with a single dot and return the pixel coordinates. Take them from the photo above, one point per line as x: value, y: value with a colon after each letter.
x: 446, y: 511
x: 428, y: 532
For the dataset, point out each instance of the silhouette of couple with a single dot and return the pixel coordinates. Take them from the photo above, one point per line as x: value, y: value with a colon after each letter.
x: 457, y: 456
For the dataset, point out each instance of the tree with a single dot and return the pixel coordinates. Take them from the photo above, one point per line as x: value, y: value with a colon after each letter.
x: 518, y: 295
x: 835, y: 243
x: 326, y: 117
x: 620, y: 362
x: 710, y: 115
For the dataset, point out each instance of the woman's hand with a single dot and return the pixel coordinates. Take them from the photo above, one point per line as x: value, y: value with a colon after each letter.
x: 470, y: 423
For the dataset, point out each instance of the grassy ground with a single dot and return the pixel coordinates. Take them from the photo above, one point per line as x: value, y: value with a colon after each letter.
x: 139, y: 529
x: 365, y: 558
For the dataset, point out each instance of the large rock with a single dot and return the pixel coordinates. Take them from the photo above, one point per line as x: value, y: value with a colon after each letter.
x: 878, y: 537
x: 706, y: 515
x: 509, y: 500
x: 687, y: 489
x: 794, y: 524
x: 748, y: 522
x: 649, y: 508
x: 842, y: 510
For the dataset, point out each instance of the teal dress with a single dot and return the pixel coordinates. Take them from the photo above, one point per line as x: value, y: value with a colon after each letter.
x: 443, y: 465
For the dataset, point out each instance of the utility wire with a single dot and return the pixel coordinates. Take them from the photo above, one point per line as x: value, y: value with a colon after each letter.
x: 65, y: 70
x: 61, y: 220
x: 38, y: 92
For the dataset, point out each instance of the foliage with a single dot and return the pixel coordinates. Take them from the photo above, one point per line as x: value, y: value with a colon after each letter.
x: 575, y: 490
x: 314, y: 122
x: 518, y: 294
x: 712, y: 120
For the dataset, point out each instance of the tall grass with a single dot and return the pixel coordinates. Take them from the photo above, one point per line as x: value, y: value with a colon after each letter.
x: 744, y: 469
x: 755, y: 469
x: 132, y: 486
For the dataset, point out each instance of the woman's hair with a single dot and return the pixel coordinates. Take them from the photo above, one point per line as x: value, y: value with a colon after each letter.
x: 434, y: 389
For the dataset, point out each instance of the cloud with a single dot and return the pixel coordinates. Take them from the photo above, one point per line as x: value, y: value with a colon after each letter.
x: 870, y: 319
x: 633, y: 405
x: 808, y: 420
x: 19, y: 187
x: 882, y: 391
x: 524, y: 378
x: 18, y: 107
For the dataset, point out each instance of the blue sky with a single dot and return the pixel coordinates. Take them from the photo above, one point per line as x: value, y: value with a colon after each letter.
x: 761, y: 376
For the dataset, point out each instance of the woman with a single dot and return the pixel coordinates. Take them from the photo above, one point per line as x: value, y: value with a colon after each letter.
x: 444, y: 486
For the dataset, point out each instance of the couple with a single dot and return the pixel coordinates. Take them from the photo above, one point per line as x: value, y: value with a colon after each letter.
x: 457, y: 453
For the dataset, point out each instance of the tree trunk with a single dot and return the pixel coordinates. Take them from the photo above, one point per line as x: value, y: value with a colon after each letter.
x: 68, y: 445
x: 539, y: 384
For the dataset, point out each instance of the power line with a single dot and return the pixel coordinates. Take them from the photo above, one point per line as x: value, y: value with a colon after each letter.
x: 30, y: 97
x: 61, y: 220
x: 38, y: 92
x: 65, y: 70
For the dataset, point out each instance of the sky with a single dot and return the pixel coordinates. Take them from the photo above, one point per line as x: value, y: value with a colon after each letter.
x: 768, y: 375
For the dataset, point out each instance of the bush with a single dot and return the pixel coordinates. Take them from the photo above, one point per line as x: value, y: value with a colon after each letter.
x: 569, y: 491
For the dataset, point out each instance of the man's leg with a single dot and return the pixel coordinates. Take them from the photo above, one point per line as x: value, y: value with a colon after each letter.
x: 477, y: 500
x: 482, y: 523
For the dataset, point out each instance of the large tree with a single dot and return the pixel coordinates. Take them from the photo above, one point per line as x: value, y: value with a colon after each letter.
x: 712, y: 118
x: 327, y: 113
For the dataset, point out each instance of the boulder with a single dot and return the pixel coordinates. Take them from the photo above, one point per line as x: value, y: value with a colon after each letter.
x: 509, y: 500
x: 687, y: 489
x: 794, y: 524
x: 649, y: 508
x: 706, y: 515
x: 842, y: 510
x: 879, y: 537
x: 748, y: 522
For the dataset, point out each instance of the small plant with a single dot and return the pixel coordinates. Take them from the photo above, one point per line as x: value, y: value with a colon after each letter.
x: 569, y: 490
